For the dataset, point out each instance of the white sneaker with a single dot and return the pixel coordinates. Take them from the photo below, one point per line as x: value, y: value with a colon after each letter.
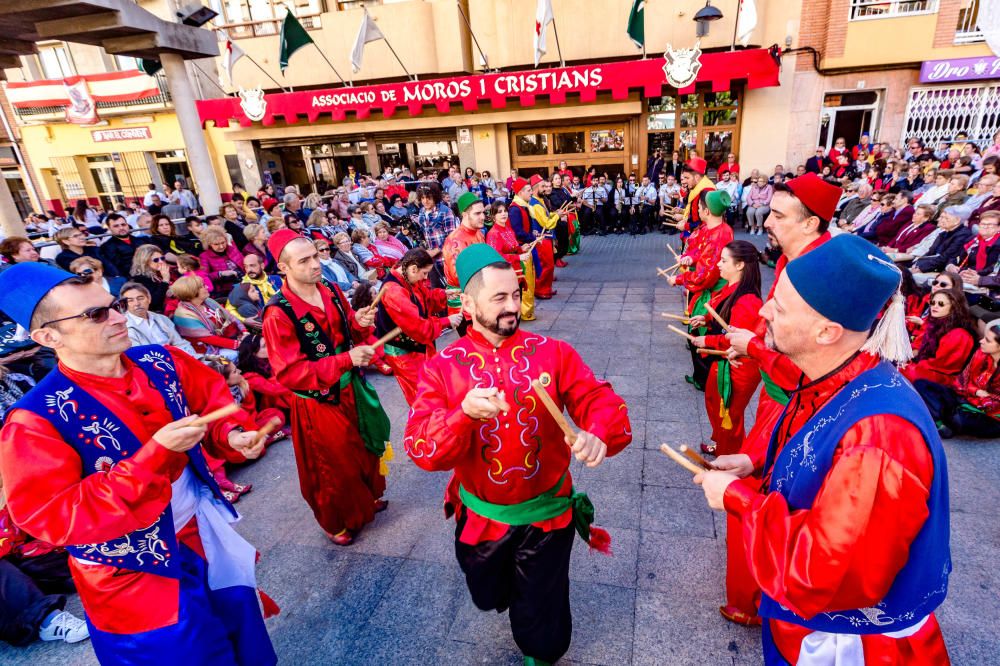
x: 65, y: 627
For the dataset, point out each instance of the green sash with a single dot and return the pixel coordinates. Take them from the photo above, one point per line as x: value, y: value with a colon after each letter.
x: 777, y: 393
x: 698, y: 308
x: 392, y: 350
x: 544, y: 507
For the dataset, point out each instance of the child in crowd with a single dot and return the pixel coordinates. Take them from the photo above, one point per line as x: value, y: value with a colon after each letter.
x: 189, y: 264
x: 255, y: 366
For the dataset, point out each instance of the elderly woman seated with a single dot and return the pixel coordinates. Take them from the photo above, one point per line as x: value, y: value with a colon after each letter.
x: 221, y: 260
x: 368, y: 254
x: 75, y: 243
x: 343, y: 255
x: 388, y: 245
x: 333, y: 272
x: 204, y: 323
x: 94, y: 269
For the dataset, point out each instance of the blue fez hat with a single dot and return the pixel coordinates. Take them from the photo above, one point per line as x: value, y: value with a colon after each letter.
x: 23, y: 286
x: 870, y: 277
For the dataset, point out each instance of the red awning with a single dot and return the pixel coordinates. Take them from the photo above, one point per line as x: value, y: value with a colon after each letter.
x: 757, y: 67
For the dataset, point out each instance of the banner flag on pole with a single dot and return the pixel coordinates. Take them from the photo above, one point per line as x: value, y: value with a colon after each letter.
x: 637, y: 23
x: 543, y: 16
x: 747, y: 21
x: 367, y: 32
x: 233, y: 53
x: 293, y: 37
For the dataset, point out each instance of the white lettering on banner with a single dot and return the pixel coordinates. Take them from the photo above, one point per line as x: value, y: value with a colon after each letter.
x: 122, y: 134
x: 531, y: 83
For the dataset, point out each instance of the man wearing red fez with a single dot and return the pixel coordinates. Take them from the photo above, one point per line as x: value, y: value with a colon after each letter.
x: 520, y: 224
x: 801, y: 210
x: 512, y: 493
x: 694, y: 181
x: 339, y: 428
x: 468, y: 232
x: 543, y: 222
x: 846, y: 530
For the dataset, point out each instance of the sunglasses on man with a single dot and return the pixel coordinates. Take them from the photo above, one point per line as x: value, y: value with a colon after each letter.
x: 97, y: 315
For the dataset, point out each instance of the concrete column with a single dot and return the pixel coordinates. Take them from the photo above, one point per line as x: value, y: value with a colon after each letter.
x: 371, y: 157
x: 194, y: 138
x: 11, y: 223
x: 246, y: 153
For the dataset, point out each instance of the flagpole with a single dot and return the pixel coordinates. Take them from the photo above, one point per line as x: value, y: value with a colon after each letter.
x: 332, y: 67
x: 266, y: 73
x: 555, y: 31
x: 736, y: 27
x: 468, y: 24
x: 386, y: 40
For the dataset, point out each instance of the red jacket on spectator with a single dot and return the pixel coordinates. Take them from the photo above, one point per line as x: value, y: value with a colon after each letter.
x: 980, y: 375
x: 215, y: 263
x: 952, y: 353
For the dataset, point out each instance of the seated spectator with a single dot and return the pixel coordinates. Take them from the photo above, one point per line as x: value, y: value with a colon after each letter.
x: 164, y: 235
x: 913, y: 180
x: 257, y: 235
x: 980, y: 255
x: 945, y: 341
x: 233, y: 223
x: 368, y: 254
x: 221, y: 260
x: 883, y: 214
x: 919, y: 310
x: 398, y: 209
x: 92, y: 268
x: 204, y: 323
x: 948, y: 246
x: 255, y: 365
x: 345, y: 257
x: 900, y: 216
x: 151, y: 270
x: 918, y: 229
x: 150, y: 328
x: 244, y: 396
x: 189, y: 264
x: 387, y: 244
x: 18, y: 249
x: 333, y: 272
x: 75, y: 244
x: 990, y: 203
x: 120, y: 247
x: 246, y: 304
x: 34, y: 579
x: 955, y: 195
x: 758, y: 205
x: 357, y: 220
x: 970, y: 405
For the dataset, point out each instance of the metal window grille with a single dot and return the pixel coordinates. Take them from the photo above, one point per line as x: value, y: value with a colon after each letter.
x: 938, y: 114
x: 870, y: 9
x: 968, y: 30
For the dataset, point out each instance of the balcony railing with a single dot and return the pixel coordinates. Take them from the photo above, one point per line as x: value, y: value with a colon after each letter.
x: 968, y: 31
x: 268, y: 26
x: 874, y: 9
x: 37, y: 113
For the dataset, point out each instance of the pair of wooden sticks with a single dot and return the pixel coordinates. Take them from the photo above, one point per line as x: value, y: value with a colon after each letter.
x: 690, y: 460
x: 232, y: 408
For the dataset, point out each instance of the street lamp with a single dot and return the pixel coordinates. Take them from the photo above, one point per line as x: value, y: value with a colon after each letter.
x: 706, y: 15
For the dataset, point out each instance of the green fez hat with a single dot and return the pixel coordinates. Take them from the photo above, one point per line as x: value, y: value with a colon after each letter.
x: 718, y: 201
x: 466, y: 200
x: 473, y: 259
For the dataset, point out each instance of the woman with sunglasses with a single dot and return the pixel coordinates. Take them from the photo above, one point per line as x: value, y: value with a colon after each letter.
x: 945, y: 342
x: 971, y: 405
x: 333, y: 272
x: 151, y: 270
x: 88, y: 267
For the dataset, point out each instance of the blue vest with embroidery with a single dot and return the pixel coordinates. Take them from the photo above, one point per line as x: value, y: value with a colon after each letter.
x: 802, y: 466
x: 102, y: 440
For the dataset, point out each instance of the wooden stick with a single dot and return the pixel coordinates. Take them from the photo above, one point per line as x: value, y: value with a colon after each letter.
x: 680, y: 460
x: 696, y: 457
x: 670, y: 315
x: 553, y: 409
x: 663, y: 271
x: 673, y: 252
x: 387, y: 337
x: 713, y: 352
x: 681, y: 333
x: 718, y: 318
x: 220, y: 413
x: 264, y: 432
x: 378, y: 297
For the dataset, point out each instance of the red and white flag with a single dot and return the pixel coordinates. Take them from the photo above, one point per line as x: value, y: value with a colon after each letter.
x: 82, y: 109
x: 543, y: 16
x: 232, y: 54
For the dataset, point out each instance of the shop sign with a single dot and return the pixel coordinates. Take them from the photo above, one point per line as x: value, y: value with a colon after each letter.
x: 960, y: 69
x: 121, y: 134
x: 686, y: 67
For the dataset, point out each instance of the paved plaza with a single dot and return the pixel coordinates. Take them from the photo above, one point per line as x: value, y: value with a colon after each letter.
x: 397, y: 596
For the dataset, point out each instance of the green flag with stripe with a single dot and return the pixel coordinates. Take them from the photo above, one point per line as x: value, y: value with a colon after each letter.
x: 637, y: 23
x: 293, y: 38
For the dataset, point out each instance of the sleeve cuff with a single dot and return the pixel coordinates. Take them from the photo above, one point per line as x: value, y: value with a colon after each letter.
x: 757, y: 350
x: 738, y: 497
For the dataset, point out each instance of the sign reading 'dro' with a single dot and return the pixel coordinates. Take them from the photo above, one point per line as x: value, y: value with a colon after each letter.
x: 121, y: 134
x: 960, y: 69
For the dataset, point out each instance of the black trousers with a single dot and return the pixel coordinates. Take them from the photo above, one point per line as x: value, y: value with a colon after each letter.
x: 527, y: 572
x: 30, y: 589
x: 562, y: 239
x: 943, y: 404
x: 700, y: 366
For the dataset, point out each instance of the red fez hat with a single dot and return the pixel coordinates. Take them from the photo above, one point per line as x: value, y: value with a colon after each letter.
x: 698, y: 164
x: 519, y: 185
x: 819, y: 196
x: 279, y: 239
x: 536, y: 179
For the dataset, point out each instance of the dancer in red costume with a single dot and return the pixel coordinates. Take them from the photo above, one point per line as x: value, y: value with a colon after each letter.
x: 847, y: 534
x: 543, y: 221
x: 468, y: 232
x: 477, y: 414
x: 339, y: 429
x: 409, y: 302
x: 731, y: 384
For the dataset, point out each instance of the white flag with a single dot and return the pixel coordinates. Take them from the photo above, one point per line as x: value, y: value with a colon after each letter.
x: 988, y: 20
x: 368, y: 32
x: 543, y: 16
x: 232, y: 54
x: 747, y: 21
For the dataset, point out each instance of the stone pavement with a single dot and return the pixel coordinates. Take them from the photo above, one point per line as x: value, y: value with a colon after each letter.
x: 397, y: 596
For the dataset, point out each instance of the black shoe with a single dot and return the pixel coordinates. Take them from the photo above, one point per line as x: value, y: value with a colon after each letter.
x: 693, y: 382
x: 945, y: 432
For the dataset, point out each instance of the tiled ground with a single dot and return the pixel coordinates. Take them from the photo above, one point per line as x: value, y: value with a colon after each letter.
x: 397, y: 596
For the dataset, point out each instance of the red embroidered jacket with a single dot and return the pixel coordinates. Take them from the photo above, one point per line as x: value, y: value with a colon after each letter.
x: 980, y: 375
x: 398, y: 303
x: 704, y: 247
x: 515, y: 456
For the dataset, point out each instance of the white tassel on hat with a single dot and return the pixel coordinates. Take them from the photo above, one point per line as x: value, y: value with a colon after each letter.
x: 891, y: 340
